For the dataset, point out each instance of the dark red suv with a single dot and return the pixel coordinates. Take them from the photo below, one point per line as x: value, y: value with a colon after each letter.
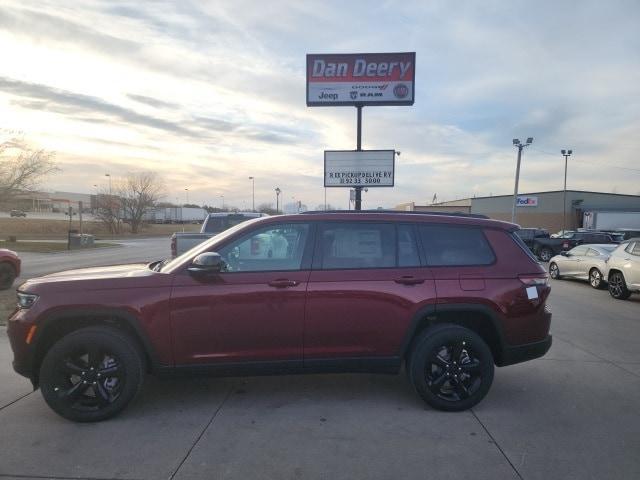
x: 447, y: 296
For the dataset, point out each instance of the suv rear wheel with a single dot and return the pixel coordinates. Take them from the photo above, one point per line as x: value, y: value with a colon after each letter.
x: 618, y: 287
x: 451, y: 367
x: 554, y: 271
x: 91, y: 374
x: 546, y: 254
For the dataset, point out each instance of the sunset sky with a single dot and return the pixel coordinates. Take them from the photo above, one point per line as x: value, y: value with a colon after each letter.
x: 210, y: 93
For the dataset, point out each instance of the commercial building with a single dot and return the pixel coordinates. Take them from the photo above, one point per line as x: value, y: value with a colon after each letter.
x: 544, y: 209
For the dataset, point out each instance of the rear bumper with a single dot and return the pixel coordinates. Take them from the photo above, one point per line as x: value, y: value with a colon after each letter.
x: 528, y: 351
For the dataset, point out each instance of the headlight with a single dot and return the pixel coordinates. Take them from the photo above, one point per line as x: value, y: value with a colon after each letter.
x: 26, y: 300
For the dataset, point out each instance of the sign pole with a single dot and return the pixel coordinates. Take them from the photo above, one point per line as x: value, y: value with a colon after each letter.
x: 358, y: 202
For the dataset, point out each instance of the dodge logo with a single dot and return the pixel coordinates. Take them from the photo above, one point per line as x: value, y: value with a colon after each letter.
x: 354, y: 94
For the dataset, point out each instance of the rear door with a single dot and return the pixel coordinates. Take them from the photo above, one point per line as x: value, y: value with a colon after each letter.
x: 366, y: 285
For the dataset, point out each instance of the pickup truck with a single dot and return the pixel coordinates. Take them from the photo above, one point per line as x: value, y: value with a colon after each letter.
x: 213, y: 224
x: 545, y: 248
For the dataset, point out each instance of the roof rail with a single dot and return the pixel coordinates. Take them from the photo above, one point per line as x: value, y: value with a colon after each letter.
x: 402, y: 212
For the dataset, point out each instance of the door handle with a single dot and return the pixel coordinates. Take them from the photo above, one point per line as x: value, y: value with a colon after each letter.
x: 282, y: 283
x: 408, y: 280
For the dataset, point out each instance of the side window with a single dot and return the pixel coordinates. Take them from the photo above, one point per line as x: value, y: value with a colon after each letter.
x: 592, y: 253
x: 629, y: 248
x: 277, y: 247
x: 579, y: 251
x: 636, y: 249
x: 358, y: 245
x: 407, y: 247
x: 449, y: 245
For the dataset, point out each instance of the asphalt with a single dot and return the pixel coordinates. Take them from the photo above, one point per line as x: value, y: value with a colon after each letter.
x: 574, y: 414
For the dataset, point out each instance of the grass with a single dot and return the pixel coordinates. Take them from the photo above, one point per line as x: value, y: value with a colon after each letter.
x: 47, y: 247
x: 39, y: 228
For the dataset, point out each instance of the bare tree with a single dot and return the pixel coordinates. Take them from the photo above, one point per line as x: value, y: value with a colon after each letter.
x: 139, y: 193
x: 22, y: 168
x: 109, y: 211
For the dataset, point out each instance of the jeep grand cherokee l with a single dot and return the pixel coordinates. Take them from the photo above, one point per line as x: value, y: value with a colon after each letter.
x: 447, y: 296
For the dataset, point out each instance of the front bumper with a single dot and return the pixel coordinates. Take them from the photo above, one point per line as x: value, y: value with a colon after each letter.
x: 23, y: 353
x: 528, y: 351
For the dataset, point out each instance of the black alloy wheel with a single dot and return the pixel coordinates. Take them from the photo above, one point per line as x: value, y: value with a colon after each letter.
x: 595, y: 278
x: 91, y: 374
x: 546, y: 254
x: 554, y: 271
x: 7, y: 275
x: 451, y: 367
x: 618, y: 287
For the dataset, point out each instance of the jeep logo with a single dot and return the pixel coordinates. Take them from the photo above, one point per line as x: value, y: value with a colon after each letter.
x: 328, y: 96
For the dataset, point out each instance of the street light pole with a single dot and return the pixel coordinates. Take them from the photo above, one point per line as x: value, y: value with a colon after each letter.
x: 566, y: 154
x: 187, y: 194
x: 109, y: 175
x: 253, y: 194
x: 278, y: 191
x: 517, y: 143
x: 222, y: 196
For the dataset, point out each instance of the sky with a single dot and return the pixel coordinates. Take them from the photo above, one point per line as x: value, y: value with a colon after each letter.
x: 208, y: 93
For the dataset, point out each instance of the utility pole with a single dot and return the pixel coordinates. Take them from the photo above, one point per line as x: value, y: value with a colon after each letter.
x: 278, y: 191
x: 519, y: 145
x: 566, y: 154
x: 253, y: 194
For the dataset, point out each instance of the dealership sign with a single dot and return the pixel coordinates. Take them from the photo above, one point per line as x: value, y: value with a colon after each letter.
x: 363, y: 168
x: 361, y: 79
x: 527, y: 201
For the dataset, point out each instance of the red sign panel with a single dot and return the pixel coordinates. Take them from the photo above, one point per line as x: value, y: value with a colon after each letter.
x: 361, y: 79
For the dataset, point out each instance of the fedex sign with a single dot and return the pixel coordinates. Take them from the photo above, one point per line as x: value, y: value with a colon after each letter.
x: 527, y: 201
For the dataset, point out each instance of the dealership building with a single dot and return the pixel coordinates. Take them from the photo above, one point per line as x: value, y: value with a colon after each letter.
x: 546, y: 209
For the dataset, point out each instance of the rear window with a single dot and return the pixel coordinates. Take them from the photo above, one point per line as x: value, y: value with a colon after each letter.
x: 448, y: 245
x: 220, y: 224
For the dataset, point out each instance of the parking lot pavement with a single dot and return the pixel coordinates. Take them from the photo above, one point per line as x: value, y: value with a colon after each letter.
x: 128, y: 251
x: 572, y: 414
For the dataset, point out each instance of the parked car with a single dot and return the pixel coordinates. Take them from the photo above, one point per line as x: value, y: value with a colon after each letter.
x: 528, y: 235
x: 447, y: 296
x: 9, y: 268
x: 584, y: 262
x: 625, y: 233
x: 546, y: 248
x: 213, y: 224
x: 623, y: 270
x: 17, y: 213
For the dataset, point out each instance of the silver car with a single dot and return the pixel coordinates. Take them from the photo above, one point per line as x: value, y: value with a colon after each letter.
x: 584, y: 262
x: 623, y: 270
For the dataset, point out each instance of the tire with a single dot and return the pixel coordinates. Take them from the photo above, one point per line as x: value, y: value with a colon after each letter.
x: 595, y: 279
x: 7, y: 275
x: 92, y: 374
x: 618, y: 287
x: 546, y: 254
x: 451, y: 367
x: 554, y: 271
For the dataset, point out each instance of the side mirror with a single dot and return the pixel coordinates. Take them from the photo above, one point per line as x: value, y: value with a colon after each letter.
x: 206, y: 264
x: 565, y: 254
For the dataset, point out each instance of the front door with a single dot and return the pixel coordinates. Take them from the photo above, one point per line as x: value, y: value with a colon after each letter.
x: 254, y: 309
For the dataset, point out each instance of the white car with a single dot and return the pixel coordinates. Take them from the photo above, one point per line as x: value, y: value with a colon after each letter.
x: 623, y: 270
x: 584, y: 262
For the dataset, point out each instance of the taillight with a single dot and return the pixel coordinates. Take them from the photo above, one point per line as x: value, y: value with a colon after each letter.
x: 565, y: 245
x: 530, y: 281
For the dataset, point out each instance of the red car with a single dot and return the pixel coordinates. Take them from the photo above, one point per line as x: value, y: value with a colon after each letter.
x: 447, y: 296
x: 9, y: 268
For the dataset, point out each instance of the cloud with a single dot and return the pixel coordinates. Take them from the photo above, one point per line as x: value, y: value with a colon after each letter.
x: 153, y: 102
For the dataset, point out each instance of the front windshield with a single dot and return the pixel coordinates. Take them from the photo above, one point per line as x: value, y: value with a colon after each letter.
x: 205, y: 246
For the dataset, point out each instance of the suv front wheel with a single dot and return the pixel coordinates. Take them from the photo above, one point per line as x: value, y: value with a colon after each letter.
x: 91, y: 374
x: 618, y: 287
x: 451, y: 367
